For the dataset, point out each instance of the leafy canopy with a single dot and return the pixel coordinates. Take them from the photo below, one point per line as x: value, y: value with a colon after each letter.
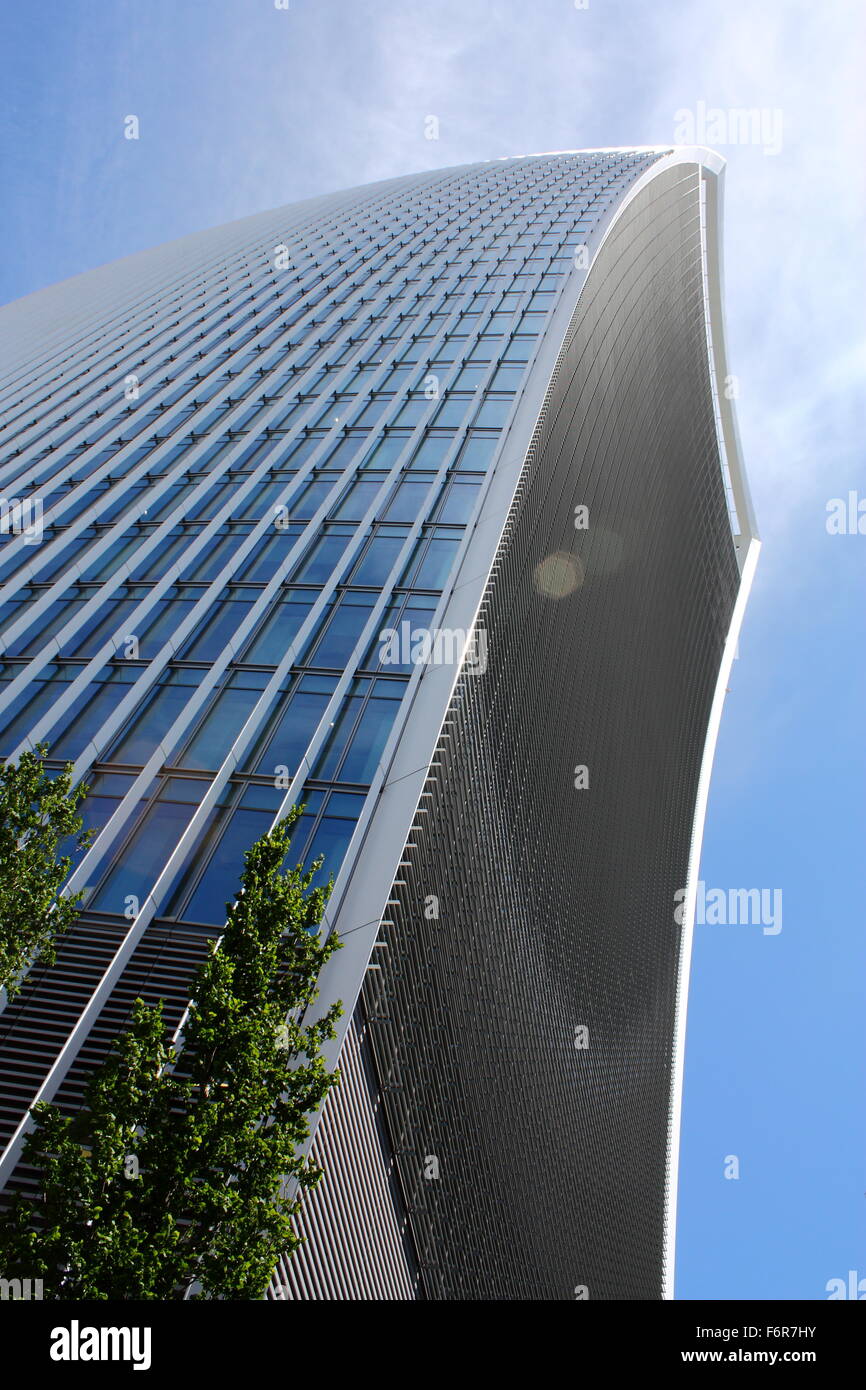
x: 182, y: 1170
x: 37, y: 812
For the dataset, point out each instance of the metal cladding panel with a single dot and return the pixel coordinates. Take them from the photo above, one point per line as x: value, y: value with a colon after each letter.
x: 529, y: 908
x: 357, y: 1244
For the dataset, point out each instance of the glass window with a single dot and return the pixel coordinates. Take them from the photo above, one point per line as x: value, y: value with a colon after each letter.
x: 373, y: 410
x: 171, y: 498
x: 407, y: 500
x: 403, y: 624
x: 268, y: 554
x: 223, y: 621
x: 154, y: 566
x: 122, y: 549
x: 312, y: 800
x: 226, y: 716
x: 485, y: 349
x: 311, y: 496
x: 452, y: 411
x: 207, y: 506
x: 322, y: 558
x: 432, y: 450
x: 288, y: 731
x: 335, y: 412
x: 530, y: 322
x: 357, y: 499
x: 459, y: 501
x: 56, y: 616
x: 216, y: 553
x: 452, y: 348
x: 85, y: 717
x: 352, y: 751
x: 28, y: 707
x: 161, y: 623
x: 396, y: 379
x: 469, y: 378
x: 226, y: 839
x: 386, y: 452
x: 507, y: 378
x: 105, y: 792
x: 344, y: 452
x: 379, y: 557
x: 333, y: 833
x: 519, y: 350
x: 477, y: 452
x: 131, y: 499
x: 493, y: 412
x: 263, y: 498
x: 339, y: 630
x: 142, y: 859
x: 103, y: 625
x: 277, y: 630
x: 412, y: 411
x: 152, y: 720
x: 432, y: 561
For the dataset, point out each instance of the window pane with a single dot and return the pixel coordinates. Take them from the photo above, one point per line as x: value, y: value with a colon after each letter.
x: 220, y: 882
x: 406, y: 501
x: 321, y: 560
x: 331, y: 840
x: 431, y: 452
x: 278, y: 629
x: 386, y: 452
x: 458, y: 503
x: 477, y: 452
x: 356, y: 501
x: 335, y: 746
x: 375, y: 565
x: 226, y: 717
x: 369, y: 738
x: 288, y: 733
x: 493, y: 413
x: 223, y: 621
x: 143, y: 858
x: 341, y: 628
x: 83, y: 721
x: 152, y: 722
x: 431, y: 563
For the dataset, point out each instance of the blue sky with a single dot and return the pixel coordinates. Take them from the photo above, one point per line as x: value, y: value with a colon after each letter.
x: 243, y: 106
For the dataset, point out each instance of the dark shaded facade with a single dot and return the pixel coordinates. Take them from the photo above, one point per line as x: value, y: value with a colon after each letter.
x: 555, y: 901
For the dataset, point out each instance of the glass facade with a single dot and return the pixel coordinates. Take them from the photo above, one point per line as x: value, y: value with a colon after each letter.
x: 227, y: 471
x: 243, y: 478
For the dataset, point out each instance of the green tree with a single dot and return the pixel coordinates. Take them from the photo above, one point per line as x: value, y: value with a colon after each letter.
x: 37, y: 812
x: 183, y: 1170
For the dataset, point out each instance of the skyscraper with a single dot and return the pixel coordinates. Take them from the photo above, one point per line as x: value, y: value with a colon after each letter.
x: 422, y: 504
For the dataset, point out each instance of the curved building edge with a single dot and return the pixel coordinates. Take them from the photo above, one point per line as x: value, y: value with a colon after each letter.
x: 359, y: 904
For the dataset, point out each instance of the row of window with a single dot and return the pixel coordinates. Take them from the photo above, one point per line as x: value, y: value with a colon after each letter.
x: 499, y: 265
x: 303, y: 255
x: 210, y: 876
